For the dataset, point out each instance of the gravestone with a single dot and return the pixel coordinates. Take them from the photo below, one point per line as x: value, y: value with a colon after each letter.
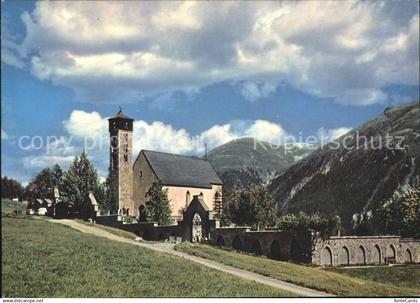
x: 94, y: 203
x: 56, y: 195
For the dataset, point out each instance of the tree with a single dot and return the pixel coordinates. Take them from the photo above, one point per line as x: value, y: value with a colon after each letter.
x: 325, y: 226
x: 57, y: 174
x: 10, y: 188
x: 398, y: 215
x: 251, y: 205
x: 42, y: 186
x: 78, y: 181
x: 103, y: 196
x: 157, y: 208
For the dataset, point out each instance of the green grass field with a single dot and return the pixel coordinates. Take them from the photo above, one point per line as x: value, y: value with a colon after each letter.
x: 8, y: 206
x: 112, y: 230
x: 44, y: 259
x: 398, y: 275
x: 316, y: 278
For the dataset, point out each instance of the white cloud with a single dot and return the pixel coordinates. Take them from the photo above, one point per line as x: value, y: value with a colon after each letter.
x: 163, y: 137
x: 267, y: 131
x: 41, y: 161
x: 253, y: 91
x: 362, y: 97
x: 121, y: 51
x: 217, y: 135
x: 83, y: 124
x: 91, y: 128
x: 326, y: 135
x: 9, y: 57
x: 4, y: 135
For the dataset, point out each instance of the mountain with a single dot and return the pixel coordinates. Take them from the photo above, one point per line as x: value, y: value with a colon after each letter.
x: 247, y: 160
x: 355, y: 179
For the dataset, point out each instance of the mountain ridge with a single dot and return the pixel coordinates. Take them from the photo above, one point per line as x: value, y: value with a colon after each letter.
x: 349, y: 181
x: 247, y: 161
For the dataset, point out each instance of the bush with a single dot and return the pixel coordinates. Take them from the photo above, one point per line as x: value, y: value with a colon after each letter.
x: 315, y: 222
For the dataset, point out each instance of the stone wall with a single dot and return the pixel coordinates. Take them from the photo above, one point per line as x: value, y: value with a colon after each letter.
x: 279, y: 245
x: 355, y: 250
x: 125, y: 146
x: 182, y: 230
x: 121, y: 172
x: 143, y: 179
x: 282, y: 245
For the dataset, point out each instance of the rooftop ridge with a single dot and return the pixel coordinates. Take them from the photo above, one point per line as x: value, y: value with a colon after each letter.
x: 172, y: 154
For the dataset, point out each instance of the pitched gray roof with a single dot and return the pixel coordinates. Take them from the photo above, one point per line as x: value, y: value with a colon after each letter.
x: 182, y: 170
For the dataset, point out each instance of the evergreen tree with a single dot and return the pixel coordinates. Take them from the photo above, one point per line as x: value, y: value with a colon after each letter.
x: 398, y: 215
x: 11, y: 188
x: 104, y: 197
x: 157, y: 208
x: 80, y: 179
x: 57, y: 173
x: 264, y: 206
x: 101, y: 195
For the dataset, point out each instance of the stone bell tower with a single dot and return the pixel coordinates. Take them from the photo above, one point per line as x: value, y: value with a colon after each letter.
x: 120, y: 161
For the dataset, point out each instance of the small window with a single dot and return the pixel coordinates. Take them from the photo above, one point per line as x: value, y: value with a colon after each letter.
x: 125, y: 158
x: 141, y: 173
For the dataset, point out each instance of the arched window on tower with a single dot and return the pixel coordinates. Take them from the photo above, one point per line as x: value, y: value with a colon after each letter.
x: 217, y: 203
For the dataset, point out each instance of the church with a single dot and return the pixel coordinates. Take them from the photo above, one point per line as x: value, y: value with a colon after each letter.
x: 195, y: 194
x: 182, y: 176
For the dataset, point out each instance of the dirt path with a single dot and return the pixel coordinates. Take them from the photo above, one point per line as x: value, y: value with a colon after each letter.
x: 169, y: 249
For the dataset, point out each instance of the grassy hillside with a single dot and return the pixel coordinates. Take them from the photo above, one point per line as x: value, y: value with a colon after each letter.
x: 112, y: 230
x: 43, y: 259
x: 316, y: 278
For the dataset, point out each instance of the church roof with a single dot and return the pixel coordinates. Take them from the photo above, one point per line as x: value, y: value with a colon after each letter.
x: 120, y: 115
x: 180, y: 170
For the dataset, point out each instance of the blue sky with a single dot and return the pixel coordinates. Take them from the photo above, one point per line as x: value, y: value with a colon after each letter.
x: 190, y: 73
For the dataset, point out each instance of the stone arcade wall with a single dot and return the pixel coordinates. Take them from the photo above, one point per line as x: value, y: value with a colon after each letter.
x: 279, y: 245
x: 355, y: 250
x: 283, y: 245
